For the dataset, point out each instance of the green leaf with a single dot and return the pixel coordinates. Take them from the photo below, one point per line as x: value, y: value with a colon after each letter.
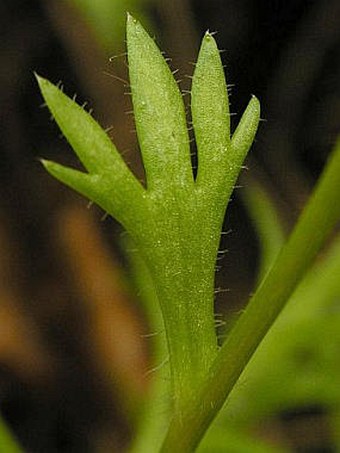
x: 210, y: 113
x: 220, y: 159
x: 124, y: 205
x: 92, y: 145
x: 244, y: 134
x: 159, y: 114
x: 175, y: 223
x: 110, y: 183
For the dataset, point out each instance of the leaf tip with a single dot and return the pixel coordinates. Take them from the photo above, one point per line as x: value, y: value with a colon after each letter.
x: 209, y: 38
x: 51, y: 167
x: 255, y: 103
x: 47, y: 164
x: 42, y: 82
x: 131, y: 22
x: 46, y: 87
x: 129, y: 17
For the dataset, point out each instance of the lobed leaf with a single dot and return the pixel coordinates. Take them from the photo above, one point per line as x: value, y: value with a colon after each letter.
x: 220, y: 158
x: 110, y: 183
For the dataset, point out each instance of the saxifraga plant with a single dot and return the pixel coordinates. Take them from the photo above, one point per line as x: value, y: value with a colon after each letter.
x: 176, y: 219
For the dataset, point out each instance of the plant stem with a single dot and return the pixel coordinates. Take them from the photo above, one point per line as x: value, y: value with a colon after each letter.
x: 311, y: 232
x: 183, y: 275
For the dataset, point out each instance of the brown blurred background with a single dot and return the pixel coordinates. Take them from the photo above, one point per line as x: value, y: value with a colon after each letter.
x: 71, y: 329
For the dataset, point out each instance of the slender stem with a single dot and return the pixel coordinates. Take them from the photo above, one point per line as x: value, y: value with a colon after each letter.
x: 311, y: 232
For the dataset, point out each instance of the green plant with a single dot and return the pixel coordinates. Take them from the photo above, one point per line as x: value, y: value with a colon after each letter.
x: 176, y: 220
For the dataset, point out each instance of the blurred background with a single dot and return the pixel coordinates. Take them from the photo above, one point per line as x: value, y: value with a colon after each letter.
x: 74, y: 349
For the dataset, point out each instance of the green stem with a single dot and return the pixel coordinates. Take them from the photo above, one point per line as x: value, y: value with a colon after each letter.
x: 183, y: 275
x: 311, y: 232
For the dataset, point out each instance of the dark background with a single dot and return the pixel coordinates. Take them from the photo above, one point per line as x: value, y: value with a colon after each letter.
x: 56, y: 342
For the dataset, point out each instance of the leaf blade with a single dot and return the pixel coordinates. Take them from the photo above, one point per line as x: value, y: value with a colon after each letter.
x: 87, y: 138
x: 159, y: 113
x: 210, y: 111
x: 124, y: 205
x: 244, y: 134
